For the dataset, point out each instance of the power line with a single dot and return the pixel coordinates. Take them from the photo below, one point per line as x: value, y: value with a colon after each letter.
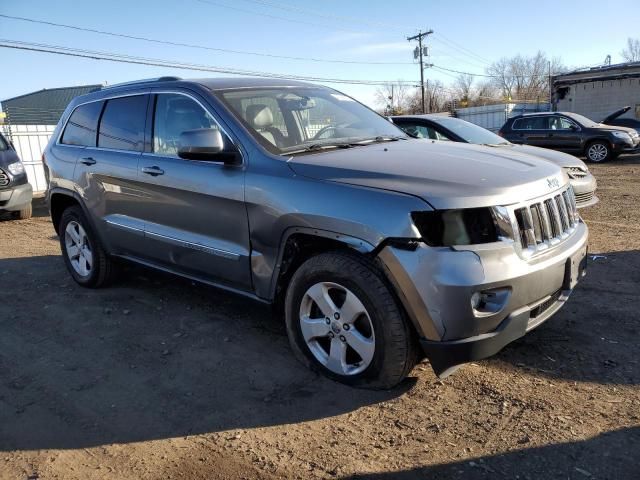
x: 440, y: 37
x: 295, y: 9
x: 122, y: 58
x: 189, y: 45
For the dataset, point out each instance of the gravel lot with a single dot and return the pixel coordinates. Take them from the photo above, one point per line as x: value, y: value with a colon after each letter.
x: 158, y: 377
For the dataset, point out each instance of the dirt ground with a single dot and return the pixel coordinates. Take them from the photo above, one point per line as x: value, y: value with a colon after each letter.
x: 158, y: 377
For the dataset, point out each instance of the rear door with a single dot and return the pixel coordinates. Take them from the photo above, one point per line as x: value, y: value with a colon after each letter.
x: 531, y: 130
x: 107, y: 171
x: 195, y: 217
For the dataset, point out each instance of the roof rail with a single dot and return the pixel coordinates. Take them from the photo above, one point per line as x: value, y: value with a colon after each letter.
x: 145, y: 80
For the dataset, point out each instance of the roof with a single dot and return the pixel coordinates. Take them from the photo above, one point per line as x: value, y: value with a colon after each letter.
x: 219, y: 83
x: 597, y: 74
x: 43, y: 107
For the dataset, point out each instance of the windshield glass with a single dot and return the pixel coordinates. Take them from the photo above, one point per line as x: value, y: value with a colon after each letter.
x: 291, y: 120
x: 471, y: 133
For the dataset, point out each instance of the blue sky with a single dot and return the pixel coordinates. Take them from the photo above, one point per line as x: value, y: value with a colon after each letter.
x: 468, y: 35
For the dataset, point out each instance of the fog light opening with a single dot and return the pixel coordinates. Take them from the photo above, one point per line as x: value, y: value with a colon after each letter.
x: 489, y: 302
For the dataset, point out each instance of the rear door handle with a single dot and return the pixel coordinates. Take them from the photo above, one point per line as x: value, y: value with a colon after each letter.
x: 155, y: 171
x: 87, y: 161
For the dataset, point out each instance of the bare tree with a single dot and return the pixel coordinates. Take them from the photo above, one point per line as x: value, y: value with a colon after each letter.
x: 463, y: 87
x: 435, y: 98
x: 394, y: 97
x: 632, y: 52
x: 524, y: 78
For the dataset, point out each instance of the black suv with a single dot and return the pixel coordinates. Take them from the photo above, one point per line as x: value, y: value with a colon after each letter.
x: 571, y: 133
x: 15, y: 190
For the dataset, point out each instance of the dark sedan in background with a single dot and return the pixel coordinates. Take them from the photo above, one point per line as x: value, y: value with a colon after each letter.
x: 440, y: 127
x: 15, y: 190
x: 571, y: 133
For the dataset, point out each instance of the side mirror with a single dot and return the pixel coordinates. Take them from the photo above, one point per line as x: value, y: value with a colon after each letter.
x: 573, y: 128
x: 205, y: 144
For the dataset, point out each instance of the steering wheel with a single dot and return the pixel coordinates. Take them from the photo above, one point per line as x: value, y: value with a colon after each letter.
x: 324, y: 130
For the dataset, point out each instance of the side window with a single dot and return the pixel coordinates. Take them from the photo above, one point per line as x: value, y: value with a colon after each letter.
x: 173, y: 115
x: 565, y: 124
x: 122, y: 123
x: 531, y: 123
x: 82, y: 125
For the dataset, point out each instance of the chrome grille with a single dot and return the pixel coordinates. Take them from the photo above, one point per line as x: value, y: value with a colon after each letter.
x: 575, y: 172
x: 546, y: 222
x: 4, y: 178
x: 582, y: 198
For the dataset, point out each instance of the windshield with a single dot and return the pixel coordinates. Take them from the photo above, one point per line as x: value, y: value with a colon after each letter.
x: 471, y: 133
x: 290, y: 120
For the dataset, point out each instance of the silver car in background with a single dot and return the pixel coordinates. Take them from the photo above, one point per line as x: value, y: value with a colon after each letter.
x: 378, y: 250
x: 442, y: 127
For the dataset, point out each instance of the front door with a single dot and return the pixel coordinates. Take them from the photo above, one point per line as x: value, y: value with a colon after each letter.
x: 195, y: 217
x: 564, y: 134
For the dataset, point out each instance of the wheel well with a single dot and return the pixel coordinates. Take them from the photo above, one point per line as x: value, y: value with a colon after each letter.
x: 600, y: 140
x: 299, y: 248
x: 58, y: 203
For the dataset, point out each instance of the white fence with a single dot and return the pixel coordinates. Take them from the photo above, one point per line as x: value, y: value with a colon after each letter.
x: 30, y: 141
x: 492, y: 117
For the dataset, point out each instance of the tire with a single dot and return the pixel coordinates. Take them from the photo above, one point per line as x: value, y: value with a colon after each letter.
x: 386, y: 343
x: 598, y: 151
x: 89, y: 264
x: 24, y: 213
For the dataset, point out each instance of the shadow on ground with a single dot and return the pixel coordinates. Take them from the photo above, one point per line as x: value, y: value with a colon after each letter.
x: 612, y: 455
x: 157, y: 356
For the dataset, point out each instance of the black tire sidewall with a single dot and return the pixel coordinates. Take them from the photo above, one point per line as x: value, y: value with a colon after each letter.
x: 76, y: 214
x: 376, y: 307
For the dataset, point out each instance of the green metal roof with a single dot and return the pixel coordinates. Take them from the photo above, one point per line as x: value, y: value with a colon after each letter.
x: 43, y: 107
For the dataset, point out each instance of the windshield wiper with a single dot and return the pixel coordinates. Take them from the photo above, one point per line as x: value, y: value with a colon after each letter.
x: 317, y: 147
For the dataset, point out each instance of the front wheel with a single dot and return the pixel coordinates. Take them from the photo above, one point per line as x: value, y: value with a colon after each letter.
x: 598, y: 151
x: 343, y: 321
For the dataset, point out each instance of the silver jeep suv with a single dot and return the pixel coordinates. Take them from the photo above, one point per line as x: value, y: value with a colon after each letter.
x: 379, y: 250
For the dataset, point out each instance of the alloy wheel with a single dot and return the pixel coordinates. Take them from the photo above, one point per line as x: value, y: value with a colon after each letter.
x: 337, y: 328
x: 78, y: 249
x: 597, y: 152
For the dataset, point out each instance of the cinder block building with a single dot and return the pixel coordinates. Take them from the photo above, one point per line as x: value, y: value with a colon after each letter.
x: 597, y: 92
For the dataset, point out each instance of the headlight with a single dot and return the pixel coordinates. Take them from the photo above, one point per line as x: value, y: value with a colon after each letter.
x: 622, y: 135
x: 16, y: 168
x: 469, y: 226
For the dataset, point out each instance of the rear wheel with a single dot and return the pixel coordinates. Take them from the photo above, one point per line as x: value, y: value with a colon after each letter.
x: 598, y: 151
x: 86, y: 260
x: 24, y: 213
x: 343, y: 321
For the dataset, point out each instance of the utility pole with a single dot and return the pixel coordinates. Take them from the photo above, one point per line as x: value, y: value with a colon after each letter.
x: 419, y: 38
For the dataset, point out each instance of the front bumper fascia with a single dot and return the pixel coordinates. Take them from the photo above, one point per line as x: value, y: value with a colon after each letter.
x: 15, y: 197
x: 435, y: 286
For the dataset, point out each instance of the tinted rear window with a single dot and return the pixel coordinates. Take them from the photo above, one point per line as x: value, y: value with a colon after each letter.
x: 122, y: 123
x: 531, y: 123
x: 82, y: 125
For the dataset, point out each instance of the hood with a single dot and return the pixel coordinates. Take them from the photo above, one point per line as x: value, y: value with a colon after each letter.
x: 561, y: 159
x: 616, y: 128
x: 615, y: 114
x: 445, y: 174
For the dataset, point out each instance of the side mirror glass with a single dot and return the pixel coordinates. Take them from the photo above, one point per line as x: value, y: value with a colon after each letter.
x: 205, y: 144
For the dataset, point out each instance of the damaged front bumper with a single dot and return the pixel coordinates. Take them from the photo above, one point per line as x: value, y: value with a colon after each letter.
x: 468, y: 303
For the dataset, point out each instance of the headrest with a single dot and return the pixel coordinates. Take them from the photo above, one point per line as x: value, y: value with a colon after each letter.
x: 259, y: 116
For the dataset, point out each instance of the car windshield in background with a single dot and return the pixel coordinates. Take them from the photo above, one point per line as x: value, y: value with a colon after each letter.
x: 471, y: 133
x: 298, y: 120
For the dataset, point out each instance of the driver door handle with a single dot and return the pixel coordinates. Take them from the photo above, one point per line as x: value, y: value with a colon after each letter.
x: 87, y: 161
x: 154, y: 171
